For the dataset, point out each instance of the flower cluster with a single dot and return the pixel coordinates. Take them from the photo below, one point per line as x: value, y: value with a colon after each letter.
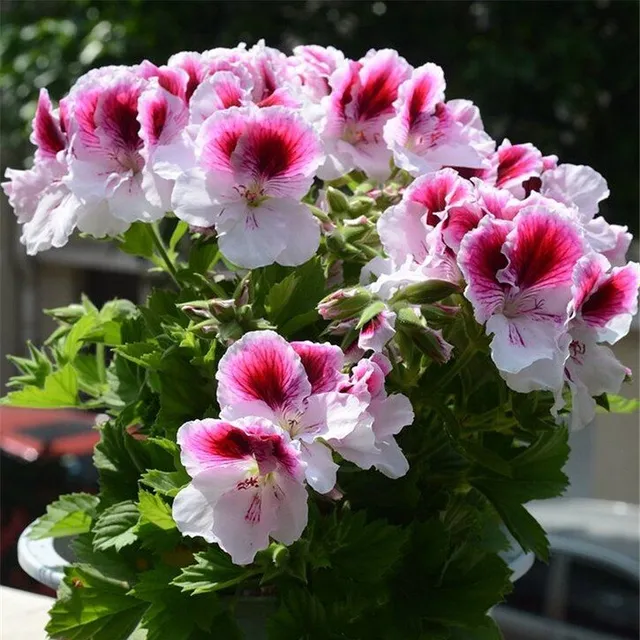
x: 285, y: 408
x: 431, y: 245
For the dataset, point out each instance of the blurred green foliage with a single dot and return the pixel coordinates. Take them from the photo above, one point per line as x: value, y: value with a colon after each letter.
x: 561, y: 74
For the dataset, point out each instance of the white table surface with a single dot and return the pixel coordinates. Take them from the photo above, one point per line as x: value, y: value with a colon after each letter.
x: 23, y: 615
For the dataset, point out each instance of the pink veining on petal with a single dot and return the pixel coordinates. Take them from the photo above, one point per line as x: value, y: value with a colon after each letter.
x: 516, y: 164
x: 322, y: 363
x: 218, y: 138
x: 614, y: 295
x: 262, y: 366
x: 480, y: 259
x: 542, y: 249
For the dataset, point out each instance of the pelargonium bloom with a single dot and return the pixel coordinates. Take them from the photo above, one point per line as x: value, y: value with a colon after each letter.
x: 604, y: 301
x: 250, y: 169
x: 295, y: 386
x: 315, y: 65
x: 42, y: 202
x: 426, y: 134
x: 106, y: 163
x: 247, y: 485
x: 513, y: 166
x: 390, y: 413
x: 360, y: 102
x: 518, y: 276
x: 405, y: 228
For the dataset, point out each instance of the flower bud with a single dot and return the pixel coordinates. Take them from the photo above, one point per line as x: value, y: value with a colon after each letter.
x: 426, y: 292
x: 344, y: 303
x: 338, y: 202
x: 361, y: 205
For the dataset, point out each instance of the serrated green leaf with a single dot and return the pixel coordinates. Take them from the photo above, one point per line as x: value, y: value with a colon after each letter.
x: 70, y: 515
x: 212, y: 571
x: 144, y: 354
x: 60, y: 390
x: 116, y: 526
x: 92, y: 607
x: 156, y: 528
x: 152, y: 585
x: 168, y: 483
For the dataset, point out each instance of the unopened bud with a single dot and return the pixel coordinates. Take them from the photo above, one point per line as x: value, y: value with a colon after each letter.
x: 426, y: 292
x: 344, y: 303
x: 70, y: 313
x: 361, y: 205
x: 338, y: 202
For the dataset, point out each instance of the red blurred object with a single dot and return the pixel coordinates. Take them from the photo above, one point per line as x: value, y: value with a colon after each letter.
x: 44, y: 453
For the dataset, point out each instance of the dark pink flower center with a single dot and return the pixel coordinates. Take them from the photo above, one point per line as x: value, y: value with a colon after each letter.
x: 377, y: 95
x: 120, y: 113
x: 273, y: 153
x: 606, y: 302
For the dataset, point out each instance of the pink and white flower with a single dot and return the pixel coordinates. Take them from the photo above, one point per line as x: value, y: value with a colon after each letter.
x: 405, y: 229
x: 360, y: 103
x: 604, y: 302
x: 315, y: 65
x: 247, y: 486
x: 390, y: 413
x: 514, y: 166
x: 106, y: 163
x: 377, y: 332
x: 294, y: 386
x: 518, y: 276
x: 251, y: 168
x: 426, y: 134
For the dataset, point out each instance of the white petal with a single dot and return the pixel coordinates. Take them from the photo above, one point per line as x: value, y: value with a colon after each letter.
x: 191, y: 200
x: 193, y: 514
x: 321, y: 469
x: 392, y: 462
x: 251, y: 237
x: 291, y: 504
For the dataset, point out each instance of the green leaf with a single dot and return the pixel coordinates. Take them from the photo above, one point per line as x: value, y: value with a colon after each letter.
x: 181, y: 228
x: 168, y: 483
x: 213, y: 571
x: 60, y: 390
x: 202, y: 255
x: 137, y: 241
x: 93, y: 607
x: 152, y: 586
x: 120, y: 459
x: 74, y: 340
x: 522, y: 526
x: 294, y: 295
x: 145, y: 354
x: 156, y: 528
x: 70, y: 515
x: 116, y: 526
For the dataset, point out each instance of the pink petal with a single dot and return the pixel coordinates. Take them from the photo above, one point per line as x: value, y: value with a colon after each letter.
x: 322, y: 363
x: 542, y: 249
x: 162, y: 117
x: 576, y: 185
x: 220, y: 91
x: 604, y: 297
x: 47, y: 134
x: 375, y: 334
x: 279, y: 151
x: 516, y: 164
x: 219, y: 136
x: 263, y: 366
x: 480, y: 259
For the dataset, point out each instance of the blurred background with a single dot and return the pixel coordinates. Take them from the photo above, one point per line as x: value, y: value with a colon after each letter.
x: 560, y: 74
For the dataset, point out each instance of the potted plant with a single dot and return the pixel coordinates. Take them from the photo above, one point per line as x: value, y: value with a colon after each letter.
x: 376, y: 329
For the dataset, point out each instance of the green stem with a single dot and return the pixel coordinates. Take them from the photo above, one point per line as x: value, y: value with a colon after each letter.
x: 102, y: 370
x: 162, y: 251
